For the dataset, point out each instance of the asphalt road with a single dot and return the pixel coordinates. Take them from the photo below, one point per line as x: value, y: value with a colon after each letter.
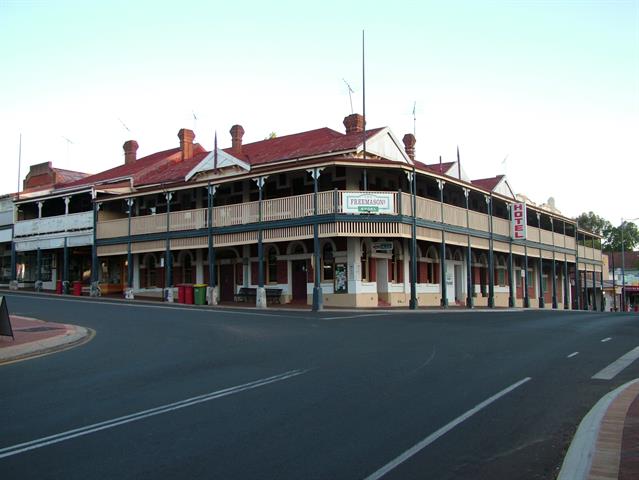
x: 176, y: 392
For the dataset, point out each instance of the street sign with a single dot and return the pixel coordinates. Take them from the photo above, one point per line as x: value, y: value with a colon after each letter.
x: 382, y: 246
x: 5, y: 321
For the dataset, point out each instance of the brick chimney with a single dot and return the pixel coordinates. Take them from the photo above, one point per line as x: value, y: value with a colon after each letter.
x: 409, y: 145
x: 237, y: 132
x: 354, y: 123
x: 186, y: 137
x: 130, y: 151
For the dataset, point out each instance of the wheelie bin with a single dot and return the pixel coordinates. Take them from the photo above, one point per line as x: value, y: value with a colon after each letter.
x: 188, y: 294
x: 200, y: 293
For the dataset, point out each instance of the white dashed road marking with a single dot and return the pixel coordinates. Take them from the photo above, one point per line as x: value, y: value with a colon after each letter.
x: 617, y: 366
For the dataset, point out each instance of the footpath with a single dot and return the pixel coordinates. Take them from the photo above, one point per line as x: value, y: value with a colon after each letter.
x: 605, y: 446
x: 35, y: 338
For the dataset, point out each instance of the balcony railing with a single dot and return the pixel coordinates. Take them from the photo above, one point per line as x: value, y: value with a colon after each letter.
x: 50, y: 225
x: 328, y: 202
x: 6, y: 217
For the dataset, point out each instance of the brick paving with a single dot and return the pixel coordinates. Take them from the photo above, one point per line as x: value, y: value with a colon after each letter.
x: 33, y: 337
x: 630, y: 444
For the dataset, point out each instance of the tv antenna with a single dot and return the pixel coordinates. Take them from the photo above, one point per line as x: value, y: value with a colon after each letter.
x: 350, y: 92
x: 69, y: 142
x: 414, y: 118
x: 124, y: 125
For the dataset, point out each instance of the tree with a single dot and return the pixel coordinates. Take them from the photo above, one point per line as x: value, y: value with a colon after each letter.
x: 630, y: 238
x: 594, y: 223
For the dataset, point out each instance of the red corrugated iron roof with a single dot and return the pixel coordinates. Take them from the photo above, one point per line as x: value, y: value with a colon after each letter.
x: 300, y: 145
x: 631, y: 259
x: 67, y: 176
x: 435, y: 167
x: 488, y: 183
x: 159, y: 167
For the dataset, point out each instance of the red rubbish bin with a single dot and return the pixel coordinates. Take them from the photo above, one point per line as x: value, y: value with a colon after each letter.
x: 58, y: 287
x: 188, y: 294
x: 77, y: 288
x: 181, y: 298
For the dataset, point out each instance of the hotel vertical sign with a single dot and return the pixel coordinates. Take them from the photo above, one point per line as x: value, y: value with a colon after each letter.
x: 518, y: 221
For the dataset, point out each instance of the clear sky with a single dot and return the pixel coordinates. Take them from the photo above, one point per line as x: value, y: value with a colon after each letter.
x: 553, y: 86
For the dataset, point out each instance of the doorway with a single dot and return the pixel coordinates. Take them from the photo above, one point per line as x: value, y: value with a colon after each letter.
x: 227, y: 280
x: 299, y: 280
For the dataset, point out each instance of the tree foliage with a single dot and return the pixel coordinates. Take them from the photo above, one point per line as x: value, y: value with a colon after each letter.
x: 630, y: 238
x: 594, y: 223
x: 611, y: 235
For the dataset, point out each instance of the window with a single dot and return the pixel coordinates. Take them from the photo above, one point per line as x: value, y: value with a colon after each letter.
x: 432, y: 262
x: 365, y: 263
x: 395, y: 265
x: 151, y: 273
x: 500, y: 271
x: 271, y: 265
x: 328, y: 262
x: 187, y: 269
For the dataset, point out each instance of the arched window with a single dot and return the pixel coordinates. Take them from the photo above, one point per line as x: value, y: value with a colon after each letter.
x: 328, y: 262
x: 365, y: 263
x: 395, y: 264
x: 150, y: 273
x: 186, y: 265
x: 432, y: 262
x: 271, y: 264
x: 500, y: 271
x: 481, y: 273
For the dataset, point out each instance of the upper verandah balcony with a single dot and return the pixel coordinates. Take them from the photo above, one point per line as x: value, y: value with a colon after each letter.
x: 236, y: 204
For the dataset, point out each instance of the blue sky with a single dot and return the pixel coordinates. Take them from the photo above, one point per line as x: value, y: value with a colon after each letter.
x: 552, y: 86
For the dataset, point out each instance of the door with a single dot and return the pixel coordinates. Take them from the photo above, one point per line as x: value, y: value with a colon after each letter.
x: 458, y: 283
x: 298, y: 280
x: 227, y: 281
x: 450, y: 282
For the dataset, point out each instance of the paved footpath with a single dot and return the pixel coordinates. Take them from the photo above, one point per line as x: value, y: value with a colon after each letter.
x: 606, y: 445
x: 34, y: 338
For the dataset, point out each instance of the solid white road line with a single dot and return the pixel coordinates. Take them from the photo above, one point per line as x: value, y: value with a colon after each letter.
x: 573, y: 354
x: 607, y: 339
x: 617, y: 366
x: 134, y: 417
x: 442, y: 431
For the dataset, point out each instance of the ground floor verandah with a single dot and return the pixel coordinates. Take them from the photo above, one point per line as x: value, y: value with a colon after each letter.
x: 358, y: 272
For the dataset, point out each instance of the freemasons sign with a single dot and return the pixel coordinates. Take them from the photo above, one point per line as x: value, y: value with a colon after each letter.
x: 364, y: 202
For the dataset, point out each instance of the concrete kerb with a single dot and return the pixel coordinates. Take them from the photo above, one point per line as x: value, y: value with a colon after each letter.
x: 420, y: 310
x: 432, y: 310
x: 578, y: 460
x: 74, y: 336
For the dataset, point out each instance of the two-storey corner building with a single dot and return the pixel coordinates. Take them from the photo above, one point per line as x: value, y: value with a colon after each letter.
x: 339, y: 219
x: 49, y: 220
